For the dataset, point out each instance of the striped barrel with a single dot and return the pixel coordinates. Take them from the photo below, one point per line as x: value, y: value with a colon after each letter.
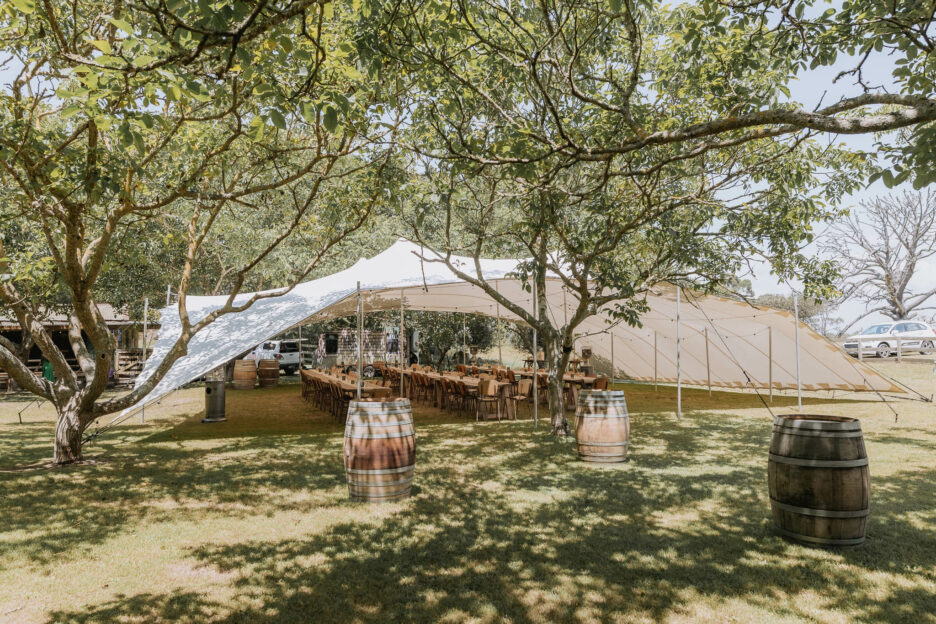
x: 379, y: 449
x: 602, y: 426
x: 268, y: 373
x: 245, y: 374
x: 819, y: 481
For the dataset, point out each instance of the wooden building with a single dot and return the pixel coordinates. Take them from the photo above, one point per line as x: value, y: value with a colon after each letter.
x: 128, y: 357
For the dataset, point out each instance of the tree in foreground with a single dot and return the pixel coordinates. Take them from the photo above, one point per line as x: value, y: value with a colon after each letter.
x: 203, y: 126
x: 880, y: 249
x: 622, y: 145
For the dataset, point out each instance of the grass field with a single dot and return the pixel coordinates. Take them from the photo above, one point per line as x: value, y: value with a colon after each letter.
x: 249, y: 520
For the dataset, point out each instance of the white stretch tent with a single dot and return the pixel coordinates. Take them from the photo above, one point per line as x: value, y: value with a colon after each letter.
x: 739, y: 335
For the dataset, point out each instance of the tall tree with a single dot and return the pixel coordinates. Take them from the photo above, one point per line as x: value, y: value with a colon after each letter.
x: 880, y: 248
x: 180, y: 120
x: 637, y: 141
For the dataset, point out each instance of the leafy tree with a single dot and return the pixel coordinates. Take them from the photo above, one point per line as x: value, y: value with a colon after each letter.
x: 212, y: 125
x: 623, y: 145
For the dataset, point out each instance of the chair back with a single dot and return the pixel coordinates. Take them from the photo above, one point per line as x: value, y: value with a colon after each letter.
x: 510, y: 376
x: 487, y: 388
x: 525, y: 387
x: 601, y: 383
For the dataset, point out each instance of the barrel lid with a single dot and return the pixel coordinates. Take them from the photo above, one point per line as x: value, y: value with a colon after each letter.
x: 817, y: 422
x: 601, y: 393
x: 377, y: 403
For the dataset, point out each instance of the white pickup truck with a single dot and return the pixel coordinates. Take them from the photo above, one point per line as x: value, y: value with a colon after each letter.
x: 286, y: 351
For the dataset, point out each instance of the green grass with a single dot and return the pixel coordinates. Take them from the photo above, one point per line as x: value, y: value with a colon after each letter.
x: 249, y: 521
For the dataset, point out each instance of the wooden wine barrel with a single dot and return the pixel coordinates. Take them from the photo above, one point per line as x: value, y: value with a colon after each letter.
x: 819, y: 482
x: 268, y: 373
x: 379, y: 449
x: 602, y: 426
x: 245, y: 374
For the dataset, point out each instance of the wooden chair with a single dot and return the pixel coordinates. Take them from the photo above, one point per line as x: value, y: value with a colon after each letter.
x: 451, y: 395
x: 466, y: 396
x: 488, y: 395
x: 523, y: 394
x: 462, y: 369
x: 601, y: 383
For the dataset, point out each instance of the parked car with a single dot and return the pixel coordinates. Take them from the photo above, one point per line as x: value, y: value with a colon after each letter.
x: 286, y: 351
x: 881, y: 340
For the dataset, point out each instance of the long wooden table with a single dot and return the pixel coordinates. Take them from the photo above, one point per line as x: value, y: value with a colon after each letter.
x: 472, y: 383
x: 369, y: 389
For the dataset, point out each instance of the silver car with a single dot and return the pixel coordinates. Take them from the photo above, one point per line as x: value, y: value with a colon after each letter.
x: 882, y: 340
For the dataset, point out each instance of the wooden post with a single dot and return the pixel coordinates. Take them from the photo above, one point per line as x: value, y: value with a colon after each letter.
x: 770, y: 361
x: 708, y: 367
x: 799, y: 388
x: 612, y: 357
x: 464, y: 339
x: 678, y: 358
x: 655, y: 388
x: 145, y: 328
x: 535, y: 373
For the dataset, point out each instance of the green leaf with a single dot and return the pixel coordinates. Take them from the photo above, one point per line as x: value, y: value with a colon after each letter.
x: 102, y: 45
x: 308, y: 112
x: 26, y: 6
x: 277, y: 118
x: 328, y: 10
x: 121, y: 24
x: 331, y: 119
x: 615, y: 6
x: 256, y: 128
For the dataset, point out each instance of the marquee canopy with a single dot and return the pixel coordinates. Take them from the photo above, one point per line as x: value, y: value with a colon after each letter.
x: 720, y: 338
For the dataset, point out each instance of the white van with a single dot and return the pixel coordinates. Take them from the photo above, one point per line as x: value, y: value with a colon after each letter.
x: 286, y: 351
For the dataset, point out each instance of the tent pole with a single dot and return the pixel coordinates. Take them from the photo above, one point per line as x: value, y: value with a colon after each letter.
x: 612, y: 357
x: 799, y: 388
x: 464, y: 339
x: 535, y: 368
x: 655, y: 388
x: 300, y: 348
x: 708, y: 365
x: 678, y: 358
x: 500, y: 355
x: 770, y: 361
x: 360, y: 341
x: 401, y: 341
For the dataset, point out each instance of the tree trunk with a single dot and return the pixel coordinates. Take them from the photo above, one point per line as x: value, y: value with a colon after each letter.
x: 555, y: 363
x: 68, y: 432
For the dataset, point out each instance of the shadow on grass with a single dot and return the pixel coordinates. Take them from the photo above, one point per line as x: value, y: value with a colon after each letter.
x: 509, y: 526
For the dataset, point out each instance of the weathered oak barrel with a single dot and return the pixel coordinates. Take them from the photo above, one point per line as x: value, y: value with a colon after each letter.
x: 268, y: 373
x: 380, y: 449
x: 245, y: 374
x: 602, y: 426
x: 820, y: 485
